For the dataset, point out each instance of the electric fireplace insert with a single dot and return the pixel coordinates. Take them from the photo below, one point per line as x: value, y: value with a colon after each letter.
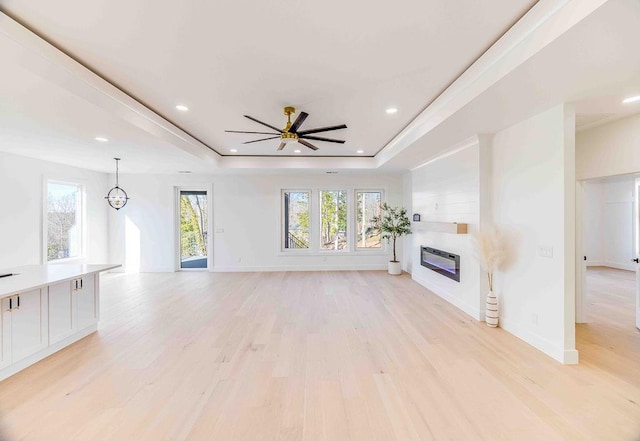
x: 442, y: 262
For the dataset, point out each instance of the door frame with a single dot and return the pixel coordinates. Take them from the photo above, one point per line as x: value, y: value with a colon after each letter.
x: 581, y: 264
x: 176, y: 226
x: 636, y: 227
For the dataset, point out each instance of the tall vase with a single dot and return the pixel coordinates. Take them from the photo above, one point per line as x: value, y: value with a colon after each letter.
x: 491, y: 311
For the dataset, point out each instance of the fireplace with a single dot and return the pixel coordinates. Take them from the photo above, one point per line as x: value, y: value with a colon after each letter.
x: 442, y: 262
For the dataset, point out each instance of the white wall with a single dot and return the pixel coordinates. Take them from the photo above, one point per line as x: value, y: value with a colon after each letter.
x: 533, y: 201
x: 448, y: 190
x: 21, y: 211
x: 246, y: 221
x: 608, y: 150
x: 609, y: 231
x: 593, y: 223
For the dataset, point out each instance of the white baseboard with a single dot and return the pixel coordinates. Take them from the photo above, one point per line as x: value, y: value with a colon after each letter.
x: 617, y: 265
x: 261, y: 269
x: 623, y: 266
x: 16, y: 367
x: 558, y: 353
x: 460, y: 304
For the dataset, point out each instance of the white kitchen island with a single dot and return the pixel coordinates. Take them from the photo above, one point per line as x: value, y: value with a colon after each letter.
x: 44, y: 309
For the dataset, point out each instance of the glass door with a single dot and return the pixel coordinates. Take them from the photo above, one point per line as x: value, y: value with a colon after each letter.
x: 194, y: 228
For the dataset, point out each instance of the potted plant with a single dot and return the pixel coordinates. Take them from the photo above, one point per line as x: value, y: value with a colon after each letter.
x: 489, y: 247
x: 393, y: 223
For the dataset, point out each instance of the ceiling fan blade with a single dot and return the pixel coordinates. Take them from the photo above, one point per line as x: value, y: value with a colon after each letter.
x: 298, y: 122
x: 322, y: 129
x: 263, y: 123
x: 256, y: 133
x: 307, y: 144
x: 263, y: 139
x: 319, y: 138
x: 282, y: 145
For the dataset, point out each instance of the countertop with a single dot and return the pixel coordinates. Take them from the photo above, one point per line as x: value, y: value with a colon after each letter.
x: 31, y: 277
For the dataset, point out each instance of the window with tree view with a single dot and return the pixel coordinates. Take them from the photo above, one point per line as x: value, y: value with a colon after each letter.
x: 64, y: 221
x: 296, y: 219
x: 333, y: 220
x: 367, y: 207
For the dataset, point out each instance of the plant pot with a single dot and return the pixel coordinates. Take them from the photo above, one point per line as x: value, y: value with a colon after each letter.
x: 395, y: 268
x: 491, y: 312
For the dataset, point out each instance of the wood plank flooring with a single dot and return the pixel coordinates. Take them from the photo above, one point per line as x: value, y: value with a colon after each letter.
x: 307, y: 356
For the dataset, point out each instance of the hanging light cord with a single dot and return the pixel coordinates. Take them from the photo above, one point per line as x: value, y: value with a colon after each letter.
x: 117, y: 161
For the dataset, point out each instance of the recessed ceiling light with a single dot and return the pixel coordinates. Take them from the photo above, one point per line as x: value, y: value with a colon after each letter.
x: 101, y: 139
x: 296, y: 151
x: 184, y: 171
x: 631, y: 99
x: 182, y: 107
x: 360, y: 151
x: 391, y: 110
x: 234, y: 150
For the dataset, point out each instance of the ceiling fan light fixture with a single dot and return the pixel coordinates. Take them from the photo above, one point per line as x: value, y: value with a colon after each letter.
x: 291, y: 133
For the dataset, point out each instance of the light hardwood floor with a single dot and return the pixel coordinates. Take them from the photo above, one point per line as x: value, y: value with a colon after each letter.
x: 318, y: 356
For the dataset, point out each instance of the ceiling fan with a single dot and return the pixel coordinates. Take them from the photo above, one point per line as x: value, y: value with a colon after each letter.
x: 291, y: 132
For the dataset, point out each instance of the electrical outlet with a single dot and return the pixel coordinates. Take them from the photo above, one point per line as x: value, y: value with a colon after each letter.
x: 534, y: 318
x: 219, y: 230
x: 239, y: 259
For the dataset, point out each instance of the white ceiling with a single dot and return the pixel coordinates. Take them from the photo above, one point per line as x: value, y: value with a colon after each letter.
x: 342, y: 62
x: 40, y: 119
x: 593, y: 65
x: 403, y: 56
x: 598, y: 110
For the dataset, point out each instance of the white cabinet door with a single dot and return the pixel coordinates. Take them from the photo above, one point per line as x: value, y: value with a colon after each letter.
x: 5, y: 334
x: 61, y: 312
x: 86, y: 301
x: 29, y: 324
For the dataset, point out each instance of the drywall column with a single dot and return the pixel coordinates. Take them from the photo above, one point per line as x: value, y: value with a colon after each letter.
x: 484, y: 205
x: 570, y: 355
x: 533, y: 201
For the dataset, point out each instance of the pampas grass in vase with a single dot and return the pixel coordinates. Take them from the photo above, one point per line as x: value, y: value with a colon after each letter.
x: 489, y: 247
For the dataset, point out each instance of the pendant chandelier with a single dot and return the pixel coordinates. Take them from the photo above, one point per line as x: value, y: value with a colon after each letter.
x: 117, y: 197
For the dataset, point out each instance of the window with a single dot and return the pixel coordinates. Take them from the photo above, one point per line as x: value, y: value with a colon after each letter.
x: 296, y: 219
x: 367, y: 206
x: 333, y: 220
x: 64, y: 221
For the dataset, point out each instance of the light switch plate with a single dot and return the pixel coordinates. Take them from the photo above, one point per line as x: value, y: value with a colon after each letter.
x: 545, y: 251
